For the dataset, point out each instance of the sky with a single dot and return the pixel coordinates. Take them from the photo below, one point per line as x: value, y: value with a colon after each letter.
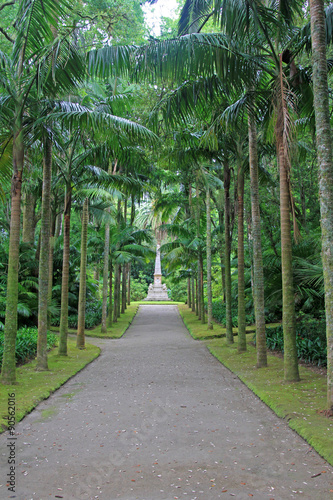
x: 165, y: 8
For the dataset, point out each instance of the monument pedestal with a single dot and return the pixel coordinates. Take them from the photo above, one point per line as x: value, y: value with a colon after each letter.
x: 157, y: 291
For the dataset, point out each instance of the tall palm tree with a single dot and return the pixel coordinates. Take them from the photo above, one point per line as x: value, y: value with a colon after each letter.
x: 324, y: 152
x: 23, y: 74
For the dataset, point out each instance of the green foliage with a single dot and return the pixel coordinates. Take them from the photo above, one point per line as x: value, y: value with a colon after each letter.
x: 310, y: 340
x: 219, y: 313
x: 93, y: 316
x: 139, y: 289
x: 177, y: 290
x: 26, y: 344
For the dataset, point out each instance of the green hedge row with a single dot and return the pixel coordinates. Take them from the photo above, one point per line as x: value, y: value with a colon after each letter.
x: 26, y: 344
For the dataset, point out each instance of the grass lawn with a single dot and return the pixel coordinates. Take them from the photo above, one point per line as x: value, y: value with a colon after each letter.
x: 32, y: 387
x: 300, y: 403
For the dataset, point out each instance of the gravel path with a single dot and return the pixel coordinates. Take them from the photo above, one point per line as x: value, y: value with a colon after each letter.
x: 157, y: 417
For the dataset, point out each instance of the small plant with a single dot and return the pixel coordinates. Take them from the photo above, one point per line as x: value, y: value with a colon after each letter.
x: 26, y: 344
x: 311, y: 346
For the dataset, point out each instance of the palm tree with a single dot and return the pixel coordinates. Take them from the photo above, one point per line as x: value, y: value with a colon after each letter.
x: 324, y: 151
x: 21, y: 73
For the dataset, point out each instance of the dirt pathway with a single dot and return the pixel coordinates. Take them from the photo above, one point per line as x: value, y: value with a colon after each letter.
x: 157, y: 417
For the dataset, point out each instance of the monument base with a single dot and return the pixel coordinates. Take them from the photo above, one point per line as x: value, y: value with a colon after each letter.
x: 157, y: 292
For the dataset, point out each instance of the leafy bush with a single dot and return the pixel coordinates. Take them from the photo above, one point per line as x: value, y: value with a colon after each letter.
x: 311, y: 346
x: 219, y: 313
x: 93, y: 316
x: 26, y: 344
x: 139, y: 288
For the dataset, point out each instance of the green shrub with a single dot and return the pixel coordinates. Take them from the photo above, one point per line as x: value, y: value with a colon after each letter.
x: 219, y: 313
x: 93, y: 316
x: 139, y: 289
x: 26, y: 344
x: 311, y: 345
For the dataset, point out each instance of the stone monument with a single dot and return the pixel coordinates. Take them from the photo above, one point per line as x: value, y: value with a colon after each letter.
x: 157, y: 291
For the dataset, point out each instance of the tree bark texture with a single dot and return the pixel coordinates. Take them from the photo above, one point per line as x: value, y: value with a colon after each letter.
x: 105, y: 277
x: 81, y: 323
x: 43, y: 277
x: 241, y: 344
x: 63, y: 333
x: 258, y: 271
x: 325, y: 163
x: 288, y: 299
x: 229, y: 332
x: 8, y: 371
x: 209, y: 263
x: 29, y: 218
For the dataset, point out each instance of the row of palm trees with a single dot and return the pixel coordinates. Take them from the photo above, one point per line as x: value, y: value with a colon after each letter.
x: 247, y: 70
x: 221, y: 91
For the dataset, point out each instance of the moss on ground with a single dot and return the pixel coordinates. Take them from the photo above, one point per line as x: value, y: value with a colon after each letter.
x: 300, y: 403
x: 33, y: 387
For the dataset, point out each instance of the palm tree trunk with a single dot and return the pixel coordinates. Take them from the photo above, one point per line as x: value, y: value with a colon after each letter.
x: 227, y: 267
x: 8, y: 373
x: 258, y: 271
x: 81, y: 323
x: 43, y: 278
x: 50, y: 281
x: 115, y: 292
x: 209, y: 262
x: 105, y: 277
x: 324, y: 152
x: 119, y: 292
x: 189, y: 292
x: 110, y: 298
x: 196, y: 297
x: 193, y: 293
x: 29, y: 218
x: 241, y: 343
x: 63, y: 333
x: 288, y: 301
x: 203, y: 316
x: 129, y: 285
x: 123, y: 289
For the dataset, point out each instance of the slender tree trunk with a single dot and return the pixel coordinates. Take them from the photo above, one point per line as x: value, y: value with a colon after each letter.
x: 241, y: 344
x: 189, y: 292
x: 119, y: 291
x: 80, y: 339
x: 199, y: 286
x: 50, y: 281
x: 258, y: 271
x: 123, y: 289
x: 8, y: 373
x: 227, y: 267
x: 105, y: 277
x: 129, y: 285
x: 115, y: 292
x: 193, y: 293
x: 29, y: 218
x: 43, y: 277
x: 196, y: 297
x: 110, y: 298
x: 209, y: 263
x: 288, y: 300
x: 63, y: 333
x: 324, y: 152
x: 203, y: 315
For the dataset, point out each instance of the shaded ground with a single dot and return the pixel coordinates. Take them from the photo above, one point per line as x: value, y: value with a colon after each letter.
x: 157, y: 417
